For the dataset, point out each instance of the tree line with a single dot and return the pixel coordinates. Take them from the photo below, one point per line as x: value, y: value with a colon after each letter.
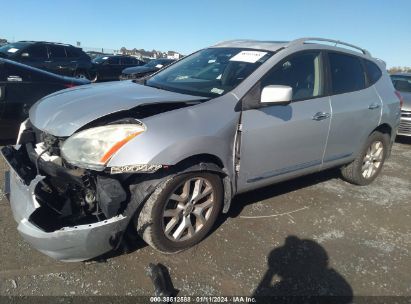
x: 394, y: 70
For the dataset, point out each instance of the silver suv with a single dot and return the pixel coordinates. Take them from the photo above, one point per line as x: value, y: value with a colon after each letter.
x: 165, y: 155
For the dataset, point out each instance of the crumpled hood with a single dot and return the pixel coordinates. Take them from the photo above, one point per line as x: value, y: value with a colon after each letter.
x: 64, y: 112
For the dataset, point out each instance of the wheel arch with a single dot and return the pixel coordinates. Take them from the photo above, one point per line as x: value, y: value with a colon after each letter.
x: 143, y: 188
x: 385, y: 128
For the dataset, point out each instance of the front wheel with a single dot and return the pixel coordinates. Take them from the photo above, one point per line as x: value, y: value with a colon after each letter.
x: 181, y: 211
x: 368, y: 164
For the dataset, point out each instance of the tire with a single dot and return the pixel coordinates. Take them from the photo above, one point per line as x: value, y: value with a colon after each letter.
x: 163, y: 213
x: 95, y: 78
x: 365, y: 168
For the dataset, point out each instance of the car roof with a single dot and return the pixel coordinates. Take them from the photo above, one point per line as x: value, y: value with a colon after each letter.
x: 47, y: 42
x: 253, y: 44
x: 275, y: 46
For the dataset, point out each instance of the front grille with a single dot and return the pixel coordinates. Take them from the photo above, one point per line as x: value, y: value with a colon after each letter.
x: 405, y: 127
x: 406, y: 114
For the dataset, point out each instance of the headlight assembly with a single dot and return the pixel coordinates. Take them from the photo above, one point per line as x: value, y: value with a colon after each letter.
x: 93, y: 148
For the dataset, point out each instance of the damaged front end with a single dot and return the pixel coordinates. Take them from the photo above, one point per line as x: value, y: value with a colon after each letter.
x: 66, y: 212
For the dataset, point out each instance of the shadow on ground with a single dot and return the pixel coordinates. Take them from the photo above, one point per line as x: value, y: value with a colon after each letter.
x: 403, y: 140
x: 248, y: 198
x: 131, y: 242
x: 298, y: 272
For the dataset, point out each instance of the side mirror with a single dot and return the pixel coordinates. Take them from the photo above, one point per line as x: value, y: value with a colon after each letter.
x: 276, y: 94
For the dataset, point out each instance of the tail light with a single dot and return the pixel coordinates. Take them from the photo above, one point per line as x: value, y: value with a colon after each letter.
x: 69, y: 85
x: 400, y: 98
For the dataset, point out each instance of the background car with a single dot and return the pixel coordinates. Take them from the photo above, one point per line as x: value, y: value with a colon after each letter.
x: 20, y: 87
x: 109, y: 67
x: 147, y: 69
x: 62, y: 59
x: 402, y: 83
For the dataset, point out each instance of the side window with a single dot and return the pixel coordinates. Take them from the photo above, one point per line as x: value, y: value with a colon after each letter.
x: 126, y: 60
x: 113, y: 60
x: 57, y: 51
x: 347, y: 74
x: 302, y: 72
x: 373, y: 71
x: 36, y: 51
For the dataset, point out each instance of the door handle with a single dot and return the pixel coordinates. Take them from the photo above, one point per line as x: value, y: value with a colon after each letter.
x: 373, y: 106
x: 14, y: 78
x: 321, y: 116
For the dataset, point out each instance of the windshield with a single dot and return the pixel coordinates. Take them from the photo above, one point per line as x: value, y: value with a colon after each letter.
x: 100, y: 59
x: 12, y: 48
x: 210, y: 72
x: 402, y: 83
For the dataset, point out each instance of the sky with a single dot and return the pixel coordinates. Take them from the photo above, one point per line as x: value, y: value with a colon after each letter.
x: 381, y: 26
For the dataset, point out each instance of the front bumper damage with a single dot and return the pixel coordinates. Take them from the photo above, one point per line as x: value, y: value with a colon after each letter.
x: 49, y: 199
x: 68, y: 243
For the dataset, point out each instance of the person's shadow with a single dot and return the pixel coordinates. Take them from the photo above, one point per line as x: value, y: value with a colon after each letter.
x: 298, y: 272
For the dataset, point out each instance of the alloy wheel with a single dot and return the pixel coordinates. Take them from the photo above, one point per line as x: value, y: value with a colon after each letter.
x: 372, y: 159
x: 188, y: 209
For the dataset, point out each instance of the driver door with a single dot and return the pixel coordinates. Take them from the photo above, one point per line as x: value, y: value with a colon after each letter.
x: 282, y: 141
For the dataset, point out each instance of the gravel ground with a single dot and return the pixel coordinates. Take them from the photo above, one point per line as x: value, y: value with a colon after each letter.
x: 318, y: 235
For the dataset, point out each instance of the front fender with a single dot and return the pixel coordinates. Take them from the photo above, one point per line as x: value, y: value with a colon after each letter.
x: 207, y: 128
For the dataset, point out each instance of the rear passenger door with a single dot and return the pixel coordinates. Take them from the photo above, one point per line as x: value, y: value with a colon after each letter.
x: 58, y: 62
x: 356, y: 108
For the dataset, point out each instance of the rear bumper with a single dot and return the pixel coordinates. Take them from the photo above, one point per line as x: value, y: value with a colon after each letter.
x: 74, y: 243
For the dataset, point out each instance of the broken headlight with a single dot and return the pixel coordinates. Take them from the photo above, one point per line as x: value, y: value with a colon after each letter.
x: 93, y: 148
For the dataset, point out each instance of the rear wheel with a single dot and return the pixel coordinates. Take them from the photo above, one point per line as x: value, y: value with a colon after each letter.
x: 368, y: 164
x: 81, y: 74
x: 181, y: 211
x: 95, y: 78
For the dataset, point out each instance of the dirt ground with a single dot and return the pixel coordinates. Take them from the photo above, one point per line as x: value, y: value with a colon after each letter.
x: 317, y: 234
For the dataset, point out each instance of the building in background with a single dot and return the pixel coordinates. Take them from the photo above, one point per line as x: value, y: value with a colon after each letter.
x: 3, y: 41
x: 154, y: 54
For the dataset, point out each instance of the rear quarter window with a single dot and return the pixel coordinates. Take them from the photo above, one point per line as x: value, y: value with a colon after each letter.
x: 347, y: 73
x: 73, y: 52
x: 373, y: 71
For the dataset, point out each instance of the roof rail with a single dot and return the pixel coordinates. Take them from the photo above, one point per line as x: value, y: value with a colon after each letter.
x: 49, y: 42
x: 337, y: 42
